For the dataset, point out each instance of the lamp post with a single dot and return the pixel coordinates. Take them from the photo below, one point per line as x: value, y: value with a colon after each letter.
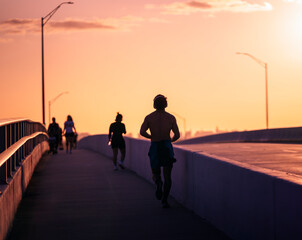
x: 263, y: 64
x: 44, y: 20
x: 184, y: 121
x: 51, y: 102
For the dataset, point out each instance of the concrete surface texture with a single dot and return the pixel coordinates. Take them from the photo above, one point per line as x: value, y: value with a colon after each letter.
x: 79, y: 196
x: 282, y: 157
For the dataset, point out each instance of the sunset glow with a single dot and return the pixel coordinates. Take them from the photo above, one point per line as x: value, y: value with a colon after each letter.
x: 115, y: 56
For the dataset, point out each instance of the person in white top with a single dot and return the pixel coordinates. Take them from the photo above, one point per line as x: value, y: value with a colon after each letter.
x: 69, y: 133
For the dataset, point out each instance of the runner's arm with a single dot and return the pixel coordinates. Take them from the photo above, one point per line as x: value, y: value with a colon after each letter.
x: 144, y: 129
x: 124, y: 130
x: 110, y: 132
x: 175, y: 131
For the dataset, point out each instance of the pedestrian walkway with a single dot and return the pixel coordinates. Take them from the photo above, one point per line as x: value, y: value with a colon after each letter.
x: 79, y: 196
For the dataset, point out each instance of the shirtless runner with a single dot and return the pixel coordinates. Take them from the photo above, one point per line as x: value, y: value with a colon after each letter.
x: 161, y: 152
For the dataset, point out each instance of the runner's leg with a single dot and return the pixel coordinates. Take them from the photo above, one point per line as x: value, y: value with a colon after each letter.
x: 71, y: 141
x: 157, y: 179
x: 123, y: 154
x: 167, y: 182
x: 115, y: 151
x: 66, y: 138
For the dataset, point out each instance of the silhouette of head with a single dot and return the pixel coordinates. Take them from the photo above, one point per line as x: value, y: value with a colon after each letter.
x: 160, y: 102
x: 69, y: 118
x: 53, y: 120
x: 119, y: 117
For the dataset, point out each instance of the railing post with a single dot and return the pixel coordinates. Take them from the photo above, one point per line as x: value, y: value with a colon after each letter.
x: 3, y: 173
x: 18, y: 154
x: 2, y: 139
x: 15, y: 139
x: 3, y: 168
x: 23, y: 135
x: 22, y: 148
x: 10, y: 141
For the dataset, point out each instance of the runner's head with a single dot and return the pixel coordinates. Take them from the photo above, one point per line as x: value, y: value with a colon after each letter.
x: 160, y: 102
x: 119, y: 117
x: 53, y: 120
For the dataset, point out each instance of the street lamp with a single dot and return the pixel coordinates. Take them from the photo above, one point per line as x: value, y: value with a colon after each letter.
x: 44, y: 20
x: 52, y: 101
x: 263, y: 64
x: 184, y: 121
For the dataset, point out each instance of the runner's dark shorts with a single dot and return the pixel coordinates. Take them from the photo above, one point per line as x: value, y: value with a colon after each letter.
x: 161, y: 154
x: 120, y: 143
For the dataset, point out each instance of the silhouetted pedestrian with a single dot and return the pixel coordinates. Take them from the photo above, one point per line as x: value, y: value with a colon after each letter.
x: 69, y: 133
x: 53, y: 133
x: 117, y: 141
x: 161, y: 153
x: 60, y: 144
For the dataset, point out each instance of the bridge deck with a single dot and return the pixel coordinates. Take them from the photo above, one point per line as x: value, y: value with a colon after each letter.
x: 79, y: 196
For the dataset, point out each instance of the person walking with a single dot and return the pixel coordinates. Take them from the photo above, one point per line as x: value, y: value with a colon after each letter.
x: 116, y: 139
x: 161, y: 154
x: 60, y: 144
x: 69, y: 133
x: 53, y: 133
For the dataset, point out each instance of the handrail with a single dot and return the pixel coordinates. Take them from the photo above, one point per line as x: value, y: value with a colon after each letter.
x: 18, y: 138
x: 4, y: 122
x: 8, y: 153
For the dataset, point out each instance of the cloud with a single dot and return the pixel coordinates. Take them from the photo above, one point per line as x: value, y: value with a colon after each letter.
x: 31, y: 26
x: 294, y: 1
x: 202, y: 5
x: 19, y: 26
x: 75, y: 25
x: 22, y: 26
x: 211, y: 6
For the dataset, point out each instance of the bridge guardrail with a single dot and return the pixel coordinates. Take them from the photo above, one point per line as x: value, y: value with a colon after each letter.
x: 18, y: 137
x: 273, y: 135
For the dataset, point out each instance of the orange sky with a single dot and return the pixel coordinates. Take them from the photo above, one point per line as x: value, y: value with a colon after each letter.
x: 117, y: 55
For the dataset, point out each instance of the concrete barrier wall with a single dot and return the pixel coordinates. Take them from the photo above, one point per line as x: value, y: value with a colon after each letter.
x: 136, y: 152
x: 279, y: 135
x: 12, y: 192
x: 246, y: 202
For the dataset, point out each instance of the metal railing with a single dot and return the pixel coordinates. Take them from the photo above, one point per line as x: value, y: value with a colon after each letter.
x: 18, y: 137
